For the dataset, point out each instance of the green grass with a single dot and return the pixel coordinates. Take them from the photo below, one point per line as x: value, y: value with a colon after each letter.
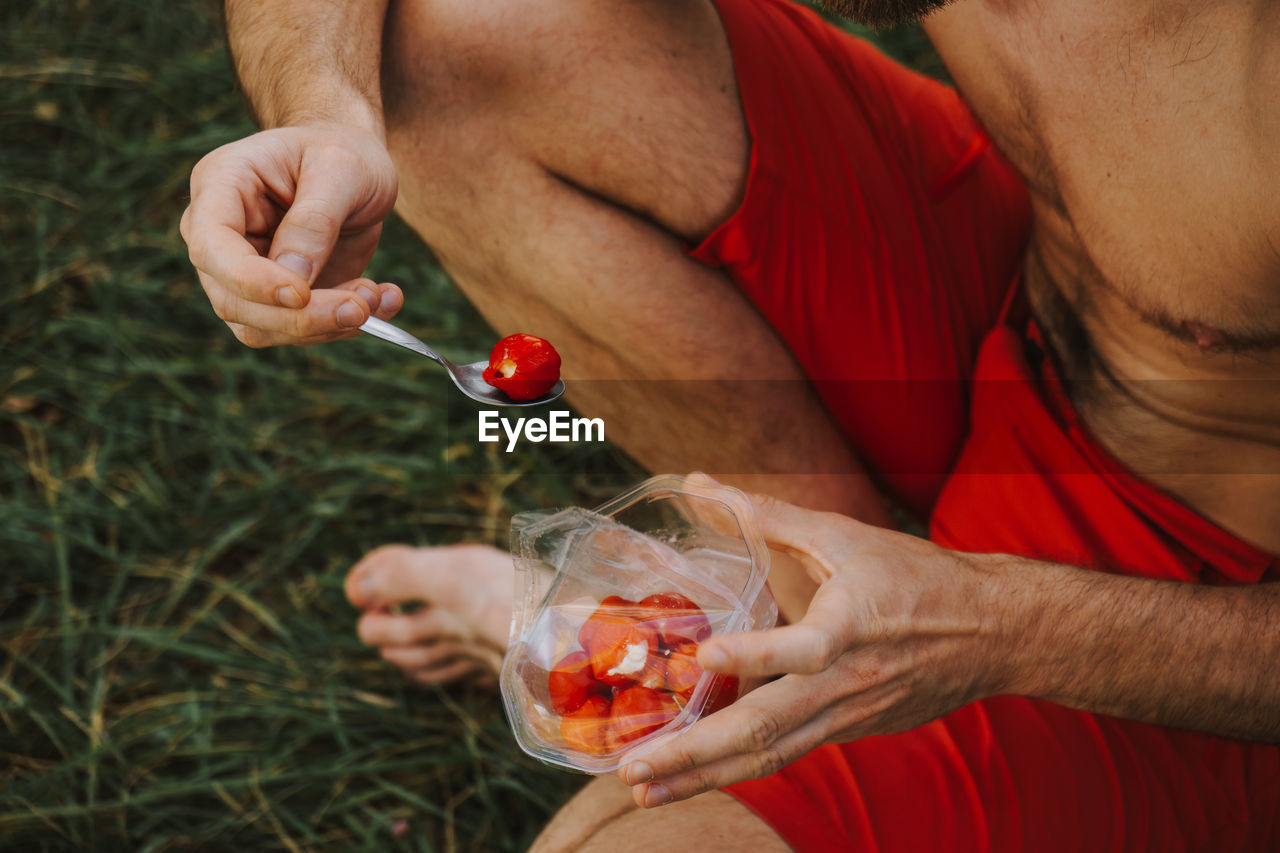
x: 178, y: 667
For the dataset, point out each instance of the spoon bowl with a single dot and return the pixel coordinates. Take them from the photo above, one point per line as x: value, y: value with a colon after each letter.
x: 468, y: 377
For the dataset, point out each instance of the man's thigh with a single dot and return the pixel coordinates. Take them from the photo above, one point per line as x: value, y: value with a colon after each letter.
x: 554, y: 154
x: 603, y: 818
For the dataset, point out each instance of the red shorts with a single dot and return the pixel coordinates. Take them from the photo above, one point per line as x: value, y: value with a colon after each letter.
x: 880, y: 235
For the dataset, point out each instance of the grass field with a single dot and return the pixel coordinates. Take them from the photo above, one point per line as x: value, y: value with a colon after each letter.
x: 178, y: 667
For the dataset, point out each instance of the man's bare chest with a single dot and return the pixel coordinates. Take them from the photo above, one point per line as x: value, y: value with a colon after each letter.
x: 1150, y: 139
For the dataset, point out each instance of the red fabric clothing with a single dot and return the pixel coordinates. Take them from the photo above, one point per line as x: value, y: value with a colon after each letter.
x: 879, y: 235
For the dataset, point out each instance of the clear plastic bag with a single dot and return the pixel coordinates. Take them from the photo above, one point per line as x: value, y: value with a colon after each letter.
x: 658, y: 547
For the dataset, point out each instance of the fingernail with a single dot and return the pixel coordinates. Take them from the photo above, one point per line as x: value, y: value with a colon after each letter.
x: 370, y: 298
x: 391, y: 299
x: 367, y: 586
x: 656, y: 795
x: 296, y: 263
x: 638, y: 773
x: 712, y: 658
x: 287, y: 297
x: 349, y: 315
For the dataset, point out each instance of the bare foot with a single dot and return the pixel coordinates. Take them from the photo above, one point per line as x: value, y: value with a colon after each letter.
x: 461, y: 629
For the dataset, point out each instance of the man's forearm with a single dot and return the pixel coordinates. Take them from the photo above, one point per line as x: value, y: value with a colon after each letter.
x: 1191, y: 656
x: 308, y: 61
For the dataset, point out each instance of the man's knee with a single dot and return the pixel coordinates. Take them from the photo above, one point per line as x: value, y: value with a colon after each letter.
x: 449, y: 55
x: 712, y: 821
x: 632, y: 100
x: 604, y: 818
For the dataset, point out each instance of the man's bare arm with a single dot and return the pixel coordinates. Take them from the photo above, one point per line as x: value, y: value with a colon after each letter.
x: 305, y: 62
x: 901, y: 632
x: 283, y: 223
x: 1192, y: 656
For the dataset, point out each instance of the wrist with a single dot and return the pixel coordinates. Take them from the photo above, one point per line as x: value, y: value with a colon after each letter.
x: 1013, y: 615
x: 339, y: 114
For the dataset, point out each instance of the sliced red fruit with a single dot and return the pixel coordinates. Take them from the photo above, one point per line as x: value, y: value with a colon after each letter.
x: 677, y: 619
x: 682, y: 670
x: 619, y: 647
x: 637, y: 711
x: 724, y: 692
x: 587, y: 729
x: 612, y: 605
x: 524, y: 367
x: 654, y: 674
x: 571, y: 683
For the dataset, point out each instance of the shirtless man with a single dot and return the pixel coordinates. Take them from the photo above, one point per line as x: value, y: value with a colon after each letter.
x: 682, y: 189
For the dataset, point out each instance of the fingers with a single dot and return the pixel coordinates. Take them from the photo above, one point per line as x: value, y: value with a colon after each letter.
x: 796, y: 528
x: 384, y: 300
x: 830, y: 627
x: 309, y: 325
x: 321, y: 196
x: 324, y: 199
x: 797, y: 648
x: 257, y: 338
x: 326, y: 312
x: 756, y: 736
x: 784, y: 524
x: 214, y: 227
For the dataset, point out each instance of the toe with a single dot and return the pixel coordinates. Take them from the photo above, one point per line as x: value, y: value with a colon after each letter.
x: 471, y: 581
x: 448, y: 574
x: 363, y: 581
x: 451, y: 671
x: 418, y: 657
x: 425, y: 626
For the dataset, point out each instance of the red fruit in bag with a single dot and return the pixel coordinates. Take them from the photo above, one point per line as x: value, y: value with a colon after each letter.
x: 637, y: 711
x: 524, y: 367
x: 619, y: 647
x: 683, y: 671
x: 612, y: 605
x: 587, y: 729
x: 724, y: 692
x: 676, y: 619
x: 571, y: 683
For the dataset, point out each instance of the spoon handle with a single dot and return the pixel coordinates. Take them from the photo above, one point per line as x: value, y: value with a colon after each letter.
x: 399, y: 337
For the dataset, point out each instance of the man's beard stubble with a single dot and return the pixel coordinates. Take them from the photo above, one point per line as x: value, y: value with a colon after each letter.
x: 883, y: 13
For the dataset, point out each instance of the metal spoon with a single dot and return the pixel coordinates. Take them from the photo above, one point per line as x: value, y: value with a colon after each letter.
x: 468, y: 377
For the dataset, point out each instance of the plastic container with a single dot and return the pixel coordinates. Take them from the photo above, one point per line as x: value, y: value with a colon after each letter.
x: 698, y: 540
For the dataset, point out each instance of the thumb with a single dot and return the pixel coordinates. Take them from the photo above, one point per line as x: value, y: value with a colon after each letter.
x: 792, y: 527
x: 781, y: 523
x: 809, y: 646
x: 787, y: 529
x: 325, y: 197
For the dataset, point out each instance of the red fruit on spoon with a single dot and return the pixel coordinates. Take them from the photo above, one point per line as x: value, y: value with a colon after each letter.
x: 524, y: 367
